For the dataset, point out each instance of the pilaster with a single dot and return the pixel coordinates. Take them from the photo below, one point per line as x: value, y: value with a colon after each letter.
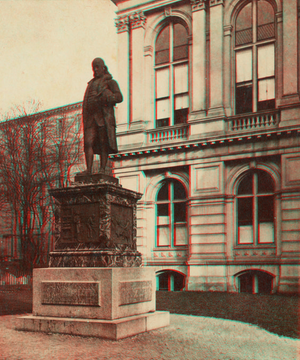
x: 198, y: 55
x: 216, y: 107
x: 137, y: 25
x: 122, y: 118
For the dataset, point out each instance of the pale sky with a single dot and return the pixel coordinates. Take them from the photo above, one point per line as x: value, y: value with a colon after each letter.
x: 47, y: 47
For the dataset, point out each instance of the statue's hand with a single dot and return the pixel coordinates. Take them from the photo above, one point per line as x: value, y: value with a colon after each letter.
x: 108, y: 97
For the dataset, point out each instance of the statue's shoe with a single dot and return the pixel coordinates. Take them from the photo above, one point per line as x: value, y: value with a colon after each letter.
x: 84, y: 173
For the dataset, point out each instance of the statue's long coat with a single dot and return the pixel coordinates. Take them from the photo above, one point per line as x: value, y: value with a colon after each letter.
x: 108, y: 95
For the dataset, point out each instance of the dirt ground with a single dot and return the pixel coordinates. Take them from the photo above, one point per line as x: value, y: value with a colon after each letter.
x: 187, y: 337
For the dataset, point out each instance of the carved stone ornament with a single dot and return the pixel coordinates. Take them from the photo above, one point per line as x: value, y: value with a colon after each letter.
x: 137, y: 19
x: 122, y: 23
x: 198, y: 5
x: 216, y: 2
x: 95, y: 224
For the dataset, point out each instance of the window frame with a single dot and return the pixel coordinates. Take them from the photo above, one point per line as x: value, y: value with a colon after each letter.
x: 170, y: 65
x: 255, y: 195
x: 171, y: 207
x: 254, y: 45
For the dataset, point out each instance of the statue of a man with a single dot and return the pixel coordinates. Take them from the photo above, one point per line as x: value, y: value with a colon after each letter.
x: 99, y: 122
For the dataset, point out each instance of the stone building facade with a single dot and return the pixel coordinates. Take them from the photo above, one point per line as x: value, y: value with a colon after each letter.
x: 208, y: 132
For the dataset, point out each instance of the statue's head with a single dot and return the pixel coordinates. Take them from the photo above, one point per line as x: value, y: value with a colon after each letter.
x: 99, y: 68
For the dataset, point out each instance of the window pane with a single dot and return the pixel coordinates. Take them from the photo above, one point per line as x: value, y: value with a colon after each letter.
x: 162, y: 46
x: 180, y: 235
x: 245, y: 234
x: 163, y: 211
x: 180, y: 42
x: 244, y: 19
x: 266, y: 89
x: 163, y: 193
x: 162, y: 122
x: 163, y: 235
x: 266, y: 233
x: 266, y: 61
x: 265, y: 183
x: 181, y: 79
x: 181, y: 116
x: 181, y: 101
x: 243, y: 26
x: 265, y: 209
x: 162, y: 83
x: 162, y: 109
x: 245, y: 186
x: 180, y: 212
x: 243, y: 65
x: 245, y: 211
x: 243, y: 99
x: 265, y: 12
x: 179, y: 191
x: 266, y: 105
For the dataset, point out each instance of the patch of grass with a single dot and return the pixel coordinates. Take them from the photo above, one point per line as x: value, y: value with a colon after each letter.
x: 276, y: 313
x: 15, y: 299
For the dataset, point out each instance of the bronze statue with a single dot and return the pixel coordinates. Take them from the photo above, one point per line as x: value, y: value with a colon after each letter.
x: 99, y: 122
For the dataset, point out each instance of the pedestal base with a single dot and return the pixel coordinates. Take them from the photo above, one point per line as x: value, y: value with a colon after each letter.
x: 108, y: 329
x: 112, y: 303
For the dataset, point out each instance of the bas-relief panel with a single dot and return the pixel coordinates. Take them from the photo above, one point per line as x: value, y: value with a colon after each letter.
x: 133, y: 292
x: 292, y: 170
x: 70, y: 293
x: 207, y: 179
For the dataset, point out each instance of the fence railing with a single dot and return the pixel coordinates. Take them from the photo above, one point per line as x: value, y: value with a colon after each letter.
x: 259, y: 120
x: 176, y: 132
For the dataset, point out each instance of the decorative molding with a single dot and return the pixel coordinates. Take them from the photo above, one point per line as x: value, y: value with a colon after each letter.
x: 122, y: 23
x: 137, y: 20
x: 216, y: 2
x: 279, y: 17
x: 228, y: 30
x: 168, y: 11
x: 197, y: 5
x: 148, y: 50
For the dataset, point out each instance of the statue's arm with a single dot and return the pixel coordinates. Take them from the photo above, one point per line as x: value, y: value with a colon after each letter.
x: 113, y: 94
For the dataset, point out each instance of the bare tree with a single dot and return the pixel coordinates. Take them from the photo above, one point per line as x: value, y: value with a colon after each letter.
x: 38, y: 152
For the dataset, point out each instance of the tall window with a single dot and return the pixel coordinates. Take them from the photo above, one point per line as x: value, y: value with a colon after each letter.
x: 255, y: 209
x: 171, y: 75
x: 255, y: 57
x: 171, y: 213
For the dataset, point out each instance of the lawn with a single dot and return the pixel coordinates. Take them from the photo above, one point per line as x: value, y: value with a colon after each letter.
x: 276, y: 313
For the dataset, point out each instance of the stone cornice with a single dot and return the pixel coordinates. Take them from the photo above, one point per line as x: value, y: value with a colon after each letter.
x: 187, y: 145
x: 197, y: 5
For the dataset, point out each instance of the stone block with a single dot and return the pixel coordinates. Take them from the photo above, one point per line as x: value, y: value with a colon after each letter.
x: 93, y: 293
x: 109, y: 329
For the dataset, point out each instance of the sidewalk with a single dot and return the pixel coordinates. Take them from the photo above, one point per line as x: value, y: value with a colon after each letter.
x: 187, y: 337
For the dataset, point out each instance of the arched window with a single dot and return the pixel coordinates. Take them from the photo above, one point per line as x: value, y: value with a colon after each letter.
x: 170, y: 281
x: 171, y: 210
x: 255, y: 57
x: 255, y: 209
x: 171, y: 75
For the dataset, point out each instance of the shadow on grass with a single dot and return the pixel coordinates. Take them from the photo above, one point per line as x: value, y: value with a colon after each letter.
x: 276, y: 313
x: 15, y: 299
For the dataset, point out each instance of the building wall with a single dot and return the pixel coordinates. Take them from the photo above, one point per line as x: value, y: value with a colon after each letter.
x: 213, y: 151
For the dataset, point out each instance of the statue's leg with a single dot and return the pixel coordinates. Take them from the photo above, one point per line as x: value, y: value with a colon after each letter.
x: 104, y: 147
x: 89, y: 137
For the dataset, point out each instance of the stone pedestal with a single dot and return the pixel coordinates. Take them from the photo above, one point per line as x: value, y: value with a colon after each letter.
x: 112, y: 303
x: 94, y: 285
